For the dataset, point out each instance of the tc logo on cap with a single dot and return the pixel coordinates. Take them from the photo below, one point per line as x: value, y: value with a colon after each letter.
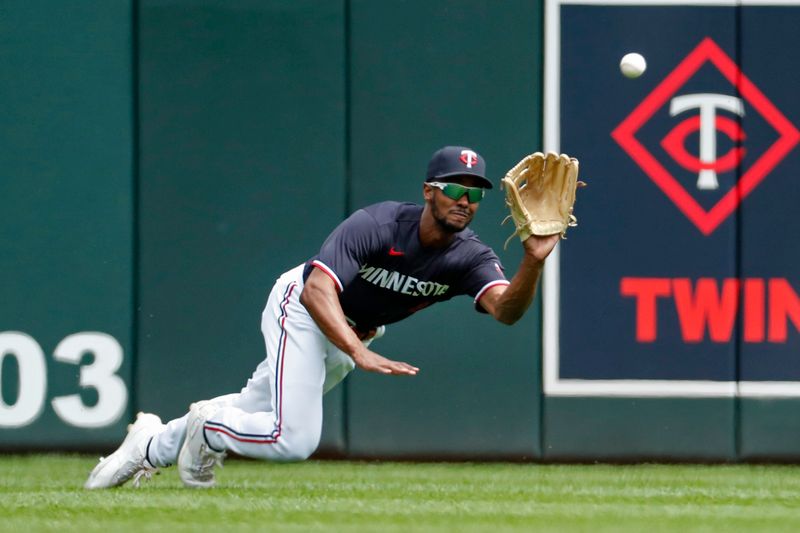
x: 468, y: 157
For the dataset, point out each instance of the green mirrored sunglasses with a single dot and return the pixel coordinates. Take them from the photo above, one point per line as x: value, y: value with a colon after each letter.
x: 455, y: 191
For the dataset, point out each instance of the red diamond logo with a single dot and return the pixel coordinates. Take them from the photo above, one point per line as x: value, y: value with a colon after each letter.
x: 625, y: 134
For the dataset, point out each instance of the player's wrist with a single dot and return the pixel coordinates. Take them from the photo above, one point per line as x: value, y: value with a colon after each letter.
x: 533, y: 257
x: 357, y: 353
x: 538, y: 248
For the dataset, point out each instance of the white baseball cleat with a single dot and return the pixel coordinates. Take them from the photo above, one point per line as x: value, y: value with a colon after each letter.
x: 129, y: 461
x: 197, y: 460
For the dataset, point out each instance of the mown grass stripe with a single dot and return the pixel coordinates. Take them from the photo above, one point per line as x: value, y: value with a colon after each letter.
x: 43, y: 493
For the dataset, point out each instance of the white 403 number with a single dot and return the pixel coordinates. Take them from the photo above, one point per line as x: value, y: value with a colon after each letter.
x: 101, y: 375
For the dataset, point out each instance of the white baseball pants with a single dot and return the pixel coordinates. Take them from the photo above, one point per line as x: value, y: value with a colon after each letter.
x: 278, y: 415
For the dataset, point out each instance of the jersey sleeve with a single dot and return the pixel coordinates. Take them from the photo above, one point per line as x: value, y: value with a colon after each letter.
x: 487, y: 272
x: 348, y: 247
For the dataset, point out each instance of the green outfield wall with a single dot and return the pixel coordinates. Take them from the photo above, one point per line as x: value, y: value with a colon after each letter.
x: 67, y: 231
x: 242, y: 175
x: 164, y: 161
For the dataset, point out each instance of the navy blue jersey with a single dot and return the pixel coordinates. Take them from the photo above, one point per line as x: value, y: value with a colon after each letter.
x: 384, y: 274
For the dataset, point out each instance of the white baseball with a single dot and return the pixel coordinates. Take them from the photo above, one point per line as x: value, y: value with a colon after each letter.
x: 632, y: 65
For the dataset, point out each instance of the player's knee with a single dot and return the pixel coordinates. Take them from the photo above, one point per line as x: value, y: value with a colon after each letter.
x: 296, y: 451
x: 295, y: 454
x: 299, y: 445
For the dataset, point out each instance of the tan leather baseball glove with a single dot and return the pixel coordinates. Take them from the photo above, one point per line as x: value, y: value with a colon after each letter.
x: 540, y: 193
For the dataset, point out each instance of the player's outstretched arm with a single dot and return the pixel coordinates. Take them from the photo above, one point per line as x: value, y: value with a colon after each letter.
x: 508, y: 303
x: 322, y: 302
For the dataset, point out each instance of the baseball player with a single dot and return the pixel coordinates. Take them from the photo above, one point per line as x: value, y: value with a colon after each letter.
x: 382, y: 264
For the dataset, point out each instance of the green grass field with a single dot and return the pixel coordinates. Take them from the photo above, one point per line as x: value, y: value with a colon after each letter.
x: 43, y: 492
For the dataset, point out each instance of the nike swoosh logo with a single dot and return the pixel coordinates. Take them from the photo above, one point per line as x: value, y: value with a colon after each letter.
x: 395, y: 253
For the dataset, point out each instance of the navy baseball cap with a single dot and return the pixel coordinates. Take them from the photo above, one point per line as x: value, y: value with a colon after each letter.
x: 457, y: 161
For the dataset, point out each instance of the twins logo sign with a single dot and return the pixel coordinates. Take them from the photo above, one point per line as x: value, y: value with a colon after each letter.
x: 682, y: 278
x: 709, y: 123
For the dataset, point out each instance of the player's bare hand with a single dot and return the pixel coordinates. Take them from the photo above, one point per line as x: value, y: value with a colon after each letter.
x: 372, y: 362
x: 540, y: 247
